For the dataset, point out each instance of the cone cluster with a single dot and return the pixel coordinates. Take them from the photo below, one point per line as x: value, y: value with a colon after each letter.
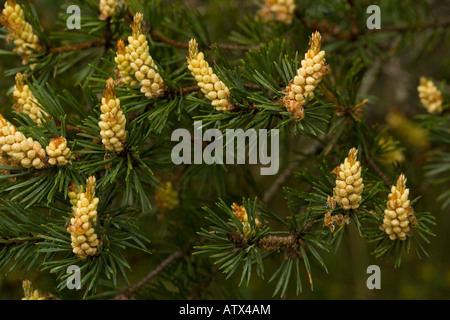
x: 430, y: 96
x: 108, y: 8
x: 74, y: 195
x: 331, y: 220
x: 26, y: 151
x: 124, y: 71
x: 21, y: 31
x: 399, y: 214
x: 58, y: 152
x: 301, y: 88
x: 278, y: 10
x: 349, y: 183
x: 209, y: 83
x: 84, y: 238
x: 112, y: 120
x: 29, y: 293
x: 145, y: 69
x: 241, y: 214
x: 25, y: 100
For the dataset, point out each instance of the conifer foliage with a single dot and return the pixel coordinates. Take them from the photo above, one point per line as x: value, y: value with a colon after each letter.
x: 87, y: 176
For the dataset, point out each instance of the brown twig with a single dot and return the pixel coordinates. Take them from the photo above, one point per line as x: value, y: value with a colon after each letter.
x: 15, y: 241
x: 105, y: 41
x: 277, y: 242
x: 270, y: 193
x: 403, y: 29
x: 127, y: 293
x: 379, y: 172
x: 78, y: 46
x: 252, y: 86
x: 185, y: 45
x: 173, y: 43
x: 235, y: 47
x: 333, y: 30
x: 307, y: 227
x: 71, y: 127
x: 187, y: 90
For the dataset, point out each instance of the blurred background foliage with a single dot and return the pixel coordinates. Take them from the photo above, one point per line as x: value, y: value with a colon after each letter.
x: 390, y: 80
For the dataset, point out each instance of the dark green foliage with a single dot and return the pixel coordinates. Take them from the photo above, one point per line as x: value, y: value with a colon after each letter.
x: 285, y: 243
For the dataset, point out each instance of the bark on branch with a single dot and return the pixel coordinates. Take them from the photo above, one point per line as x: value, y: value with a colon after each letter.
x: 127, y: 293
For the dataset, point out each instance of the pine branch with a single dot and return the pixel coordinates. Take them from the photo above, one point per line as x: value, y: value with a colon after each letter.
x: 185, y: 45
x: 71, y: 127
x: 307, y: 227
x: 7, y: 242
x: 270, y: 193
x: 233, y: 47
x: 404, y: 29
x: 127, y: 293
x: 78, y: 46
x: 105, y: 41
x: 332, y: 30
x: 379, y: 172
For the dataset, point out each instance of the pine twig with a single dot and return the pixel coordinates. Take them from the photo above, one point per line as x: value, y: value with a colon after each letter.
x: 379, y: 172
x: 270, y: 193
x: 8, y: 242
x: 71, y: 127
x: 307, y: 227
x: 127, y: 293
x: 185, y: 45
x: 78, y: 46
x: 404, y: 29
x: 327, y: 30
x: 105, y: 41
x: 235, y: 47
x: 173, y: 43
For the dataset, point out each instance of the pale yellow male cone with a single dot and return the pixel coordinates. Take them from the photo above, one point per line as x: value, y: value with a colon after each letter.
x: 145, y: 69
x: 74, y: 195
x: 83, y: 236
x: 241, y: 214
x: 30, y: 293
x: 23, y: 150
x: 25, y: 101
x: 58, y: 152
x: 349, y: 183
x: 124, y: 71
x: 209, y: 83
x: 25, y: 40
x: 430, y: 96
x: 112, y: 120
x: 108, y: 8
x: 309, y: 75
x: 330, y: 220
x: 279, y: 10
x: 399, y: 215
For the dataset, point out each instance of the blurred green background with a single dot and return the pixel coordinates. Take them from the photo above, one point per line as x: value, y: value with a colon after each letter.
x: 392, y: 84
